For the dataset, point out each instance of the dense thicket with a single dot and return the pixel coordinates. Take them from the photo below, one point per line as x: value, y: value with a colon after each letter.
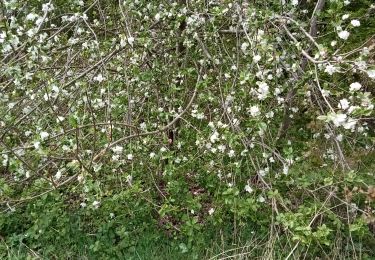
x: 189, y: 128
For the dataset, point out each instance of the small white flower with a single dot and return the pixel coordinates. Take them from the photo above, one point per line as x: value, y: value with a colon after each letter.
x: 96, y: 204
x: 80, y: 178
x: 211, y: 211
x: 254, y: 111
x: 263, y: 90
x: 350, y: 124
x: 330, y: 69
x: 36, y: 145
x: 152, y: 155
x: 31, y: 17
x: 338, y: 119
x: 344, y: 104
x: 371, y: 73
x: 83, y: 204
x: 355, y: 86
x: 257, y: 58
x: 214, y: 137
x: 231, y: 153
x: 143, y: 126
x: 58, y: 175
x: 345, y: 16
x: 221, y: 148
x: 130, y: 156
x: 117, y: 149
x: 285, y: 169
x: 157, y: 17
x: 99, y: 78
x: 339, y: 137
x: 55, y: 89
x: 344, y: 35
x: 244, y: 46
x: 44, y: 135
x: 261, y: 199
x: 248, y: 188
x: 131, y: 40
x: 47, y: 7
x: 294, y: 2
x: 355, y: 23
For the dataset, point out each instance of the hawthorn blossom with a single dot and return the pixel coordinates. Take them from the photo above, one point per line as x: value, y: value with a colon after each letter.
x: 244, y: 46
x: 31, y: 17
x: 355, y: 86
x: 131, y: 40
x: 257, y: 58
x: 294, y: 2
x: 263, y: 90
x: 254, y: 111
x: 330, y: 69
x: 96, y: 204
x: 47, y: 7
x: 344, y: 104
x: 350, y: 124
x: 344, y: 35
x: 58, y: 175
x: 345, y: 16
x: 99, y: 78
x: 371, y: 73
x: 355, y: 23
x: 248, y: 188
x: 117, y: 149
x: 214, y: 137
x: 338, y: 119
x: 44, y: 135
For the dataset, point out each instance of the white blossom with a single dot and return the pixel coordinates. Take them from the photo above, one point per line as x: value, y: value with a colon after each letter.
x: 294, y: 2
x: 371, y: 73
x: 131, y: 40
x: 355, y: 23
x: 263, y: 90
x: 338, y: 119
x: 254, y: 111
x: 244, y: 46
x: 344, y: 35
x: 96, y: 204
x: 99, y: 78
x: 345, y: 16
x: 117, y: 149
x: 355, y: 86
x: 257, y: 58
x: 330, y: 69
x: 344, y: 104
x: 248, y: 188
x: 44, y: 135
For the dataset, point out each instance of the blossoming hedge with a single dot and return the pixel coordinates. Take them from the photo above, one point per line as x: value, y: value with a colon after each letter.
x: 187, y: 121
